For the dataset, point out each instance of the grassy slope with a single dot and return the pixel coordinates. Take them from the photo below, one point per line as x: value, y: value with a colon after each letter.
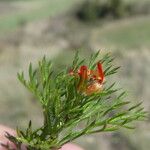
x: 45, y: 8
x: 129, y: 33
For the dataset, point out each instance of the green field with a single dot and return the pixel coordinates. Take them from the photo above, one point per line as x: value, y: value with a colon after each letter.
x: 39, y: 10
x: 125, y: 34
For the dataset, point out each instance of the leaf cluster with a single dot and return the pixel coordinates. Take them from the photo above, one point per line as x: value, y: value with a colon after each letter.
x: 69, y: 114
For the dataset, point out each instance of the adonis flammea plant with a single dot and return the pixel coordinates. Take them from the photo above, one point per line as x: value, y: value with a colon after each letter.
x: 83, y: 94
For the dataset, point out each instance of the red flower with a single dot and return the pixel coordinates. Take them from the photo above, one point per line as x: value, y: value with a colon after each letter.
x: 91, y: 81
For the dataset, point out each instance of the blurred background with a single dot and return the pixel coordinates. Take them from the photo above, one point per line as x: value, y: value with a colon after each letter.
x: 30, y: 29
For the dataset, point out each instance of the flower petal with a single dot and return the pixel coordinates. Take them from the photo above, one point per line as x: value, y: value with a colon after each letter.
x: 83, y: 72
x: 100, y: 72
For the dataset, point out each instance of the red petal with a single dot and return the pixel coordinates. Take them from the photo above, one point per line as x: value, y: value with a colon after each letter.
x: 83, y: 77
x: 100, y: 71
x: 83, y: 72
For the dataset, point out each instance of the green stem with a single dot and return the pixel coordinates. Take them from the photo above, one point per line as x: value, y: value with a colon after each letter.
x: 46, y: 124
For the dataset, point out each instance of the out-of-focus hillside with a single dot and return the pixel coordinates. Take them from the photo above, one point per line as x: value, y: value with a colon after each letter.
x: 31, y: 29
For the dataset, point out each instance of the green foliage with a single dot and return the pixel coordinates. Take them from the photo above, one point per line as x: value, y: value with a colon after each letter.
x: 88, y: 11
x: 96, y: 9
x: 65, y: 109
x: 117, y: 8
